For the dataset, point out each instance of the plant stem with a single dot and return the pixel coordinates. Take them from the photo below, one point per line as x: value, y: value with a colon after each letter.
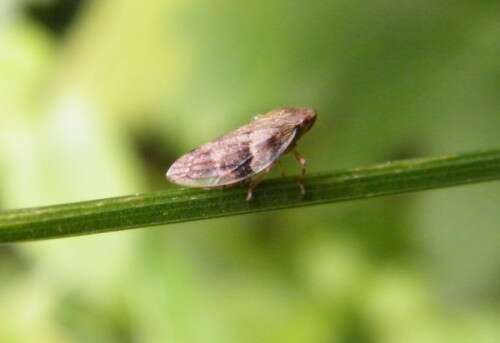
x: 181, y: 205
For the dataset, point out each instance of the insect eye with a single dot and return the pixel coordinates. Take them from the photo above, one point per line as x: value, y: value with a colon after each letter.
x: 308, y: 122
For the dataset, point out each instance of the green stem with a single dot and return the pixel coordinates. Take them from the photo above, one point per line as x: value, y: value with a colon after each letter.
x: 183, y: 205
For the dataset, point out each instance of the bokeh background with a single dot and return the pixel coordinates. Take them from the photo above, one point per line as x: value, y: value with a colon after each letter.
x: 97, y: 98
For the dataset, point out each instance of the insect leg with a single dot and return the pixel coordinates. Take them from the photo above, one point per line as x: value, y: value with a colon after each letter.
x: 255, y: 182
x: 283, y: 173
x: 302, y: 162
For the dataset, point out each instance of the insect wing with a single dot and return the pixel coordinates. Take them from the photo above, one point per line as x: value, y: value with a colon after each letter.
x: 232, y: 158
x: 265, y: 147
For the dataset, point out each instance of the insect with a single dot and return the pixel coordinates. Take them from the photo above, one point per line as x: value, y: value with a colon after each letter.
x: 247, y: 153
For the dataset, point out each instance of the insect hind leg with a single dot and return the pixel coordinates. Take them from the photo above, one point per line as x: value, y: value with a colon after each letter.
x: 278, y: 163
x: 255, y: 182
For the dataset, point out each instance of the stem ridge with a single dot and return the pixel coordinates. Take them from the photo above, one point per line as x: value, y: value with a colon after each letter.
x: 181, y: 205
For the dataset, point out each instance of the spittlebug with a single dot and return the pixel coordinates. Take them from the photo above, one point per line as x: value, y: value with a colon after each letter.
x: 247, y: 152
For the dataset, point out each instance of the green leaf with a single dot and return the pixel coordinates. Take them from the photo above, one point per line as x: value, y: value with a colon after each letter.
x: 183, y: 205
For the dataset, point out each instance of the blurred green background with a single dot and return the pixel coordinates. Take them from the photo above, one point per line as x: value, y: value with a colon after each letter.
x: 97, y: 98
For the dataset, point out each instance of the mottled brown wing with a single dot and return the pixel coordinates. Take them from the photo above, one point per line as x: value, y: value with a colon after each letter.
x: 232, y: 158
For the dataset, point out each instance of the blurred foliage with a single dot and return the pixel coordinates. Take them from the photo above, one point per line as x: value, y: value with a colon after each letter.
x: 98, y: 97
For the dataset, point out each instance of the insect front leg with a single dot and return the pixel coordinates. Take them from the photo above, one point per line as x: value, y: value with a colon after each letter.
x: 255, y: 182
x: 302, y: 161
